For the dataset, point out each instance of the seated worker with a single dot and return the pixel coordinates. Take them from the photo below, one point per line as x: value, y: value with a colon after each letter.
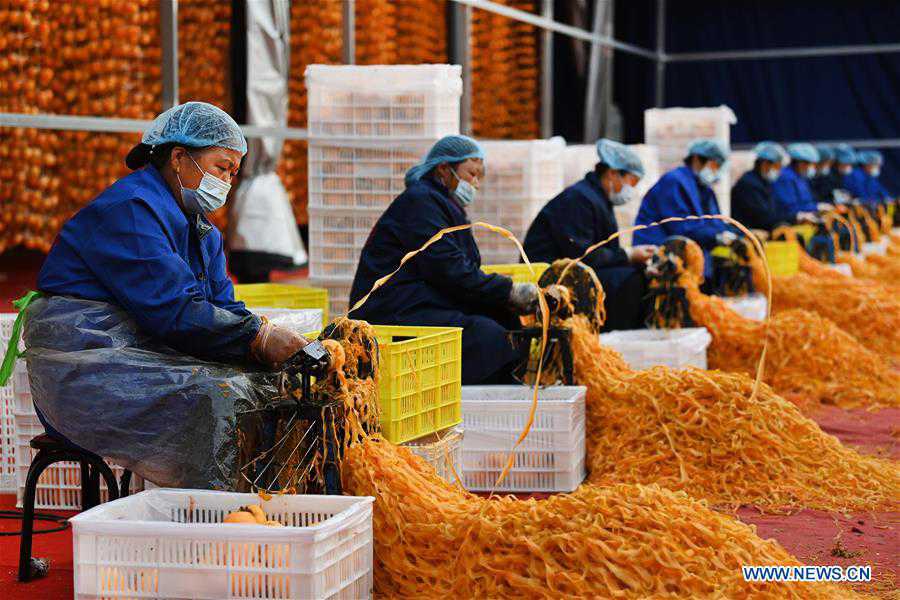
x: 582, y: 215
x: 874, y: 193
x: 135, y: 297
x: 792, y: 192
x: 844, y: 163
x: 444, y: 285
x: 752, y: 201
x: 827, y: 178
x: 687, y: 191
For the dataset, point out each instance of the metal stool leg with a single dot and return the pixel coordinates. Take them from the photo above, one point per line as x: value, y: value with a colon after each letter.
x: 100, y: 468
x: 92, y: 491
x: 85, y: 483
x: 41, y: 461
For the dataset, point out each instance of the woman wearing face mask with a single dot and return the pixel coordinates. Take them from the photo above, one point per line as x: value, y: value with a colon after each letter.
x: 827, y: 178
x: 146, y: 245
x: 136, y: 313
x: 582, y: 215
x: 687, y: 191
x: 444, y: 285
x: 752, y: 202
x: 874, y: 193
x: 792, y: 190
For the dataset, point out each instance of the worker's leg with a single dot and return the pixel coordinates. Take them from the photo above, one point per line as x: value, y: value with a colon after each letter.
x: 625, y: 289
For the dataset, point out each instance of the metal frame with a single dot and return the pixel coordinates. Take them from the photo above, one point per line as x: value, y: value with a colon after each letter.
x: 462, y: 52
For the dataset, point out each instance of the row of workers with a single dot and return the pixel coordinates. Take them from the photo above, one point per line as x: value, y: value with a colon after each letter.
x: 814, y: 179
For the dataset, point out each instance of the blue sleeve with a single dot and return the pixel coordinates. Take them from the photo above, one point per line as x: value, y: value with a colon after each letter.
x: 130, y: 254
x: 807, y: 199
x: 750, y: 206
x: 446, y: 265
x: 677, y: 203
x: 786, y: 198
x: 647, y: 214
x: 222, y: 287
x: 574, y: 233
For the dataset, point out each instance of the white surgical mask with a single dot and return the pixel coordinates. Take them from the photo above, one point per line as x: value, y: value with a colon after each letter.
x: 209, y: 196
x: 846, y: 170
x: 624, y: 195
x: 464, y: 192
x: 826, y: 170
x: 875, y: 172
x: 708, y: 177
x: 810, y: 171
x: 772, y: 175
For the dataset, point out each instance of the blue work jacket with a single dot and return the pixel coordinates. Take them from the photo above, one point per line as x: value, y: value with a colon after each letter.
x: 443, y: 286
x: 133, y: 246
x: 580, y: 216
x: 754, y: 204
x: 793, y: 194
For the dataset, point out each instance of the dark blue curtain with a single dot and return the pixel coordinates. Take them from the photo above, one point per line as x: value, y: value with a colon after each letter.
x: 838, y: 97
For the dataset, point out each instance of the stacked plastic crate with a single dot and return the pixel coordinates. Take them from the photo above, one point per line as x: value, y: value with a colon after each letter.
x: 367, y: 126
x: 673, y: 129
x: 521, y: 176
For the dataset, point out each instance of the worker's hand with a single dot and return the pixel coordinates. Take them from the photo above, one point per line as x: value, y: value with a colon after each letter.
x: 524, y: 298
x: 840, y: 196
x: 639, y: 255
x: 725, y: 238
x: 761, y: 234
x: 806, y: 217
x: 824, y: 207
x: 273, y: 344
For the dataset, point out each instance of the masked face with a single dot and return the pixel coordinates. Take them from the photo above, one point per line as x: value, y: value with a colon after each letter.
x: 845, y: 169
x: 209, y: 195
x: 464, y: 192
x: 874, y: 170
x: 772, y: 174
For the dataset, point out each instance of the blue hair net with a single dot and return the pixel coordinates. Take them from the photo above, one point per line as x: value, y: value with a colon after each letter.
x: 870, y: 157
x: 449, y: 149
x: 620, y: 157
x: 803, y: 152
x: 825, y: 152
x: 196, y: 124
x: 710, y: 149
x: 769, y: 151
x: 843, y: 153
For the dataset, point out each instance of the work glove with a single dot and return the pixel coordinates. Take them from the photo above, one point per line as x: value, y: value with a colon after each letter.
x: 824, y: 207
x: 524, y: 298
x: 640, y: 254
x: 806, y: 217
x: 273, y: 344
x: 840, y: 196
x: 725, y: 238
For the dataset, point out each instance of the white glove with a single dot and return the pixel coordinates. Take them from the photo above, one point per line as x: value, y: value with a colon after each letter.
x: 726, y: 237
x: 640, y: 254
x: 524, y: 297
x: 824, y: 207
x: 840, y: 196
x: 806, y: 217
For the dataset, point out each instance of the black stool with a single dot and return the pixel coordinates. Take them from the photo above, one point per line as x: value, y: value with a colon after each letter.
x: 50, y: 451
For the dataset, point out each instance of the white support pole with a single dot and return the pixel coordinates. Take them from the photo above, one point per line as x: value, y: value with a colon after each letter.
x: 461, y: 54
x: 660, y: 53
x: 806, y: 52
x: 547, y: 73
x: 349, y: 32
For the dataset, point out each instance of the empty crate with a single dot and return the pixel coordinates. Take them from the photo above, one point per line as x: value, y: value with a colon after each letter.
x: 391, y: 101
x: 751, y: 306
x: 550, y: 459
x: 7, y: 422
x: 171, y: 543
x: 645, y: 348
x: 336, y: 239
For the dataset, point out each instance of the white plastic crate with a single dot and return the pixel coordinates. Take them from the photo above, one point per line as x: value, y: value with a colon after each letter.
x: 550, y: 459
x: 338, y: 294
x: 750, y: 306
x: 336, y: 239
x: 383, y: 100
x: 842, y: 268
x: 171, y: 543
x: 59, y: 487
x: 675, y: 348
x: 7, y: 421
x: 522, y: 169
x: 673, y: 129
x: 300, y: 320
x: 360, y: 175
x: 22, y: 403
x: 439, y: 448
x: 879, y: 247
x: 739, y: 162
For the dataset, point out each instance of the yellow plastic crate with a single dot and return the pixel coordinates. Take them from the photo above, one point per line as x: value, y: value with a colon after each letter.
x: 806, y: 231
x: 281, y: 295
x: 783, y: 257
x: 520, y: 273
x: 419, y: 380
